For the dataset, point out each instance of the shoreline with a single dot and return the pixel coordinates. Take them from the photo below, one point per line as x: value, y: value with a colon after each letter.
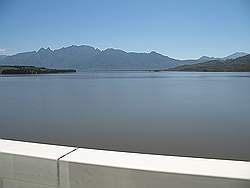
x: 31, y: 70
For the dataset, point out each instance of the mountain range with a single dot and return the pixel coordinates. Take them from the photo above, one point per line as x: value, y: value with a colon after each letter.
x: 86, y: 58
x: 240, y: 64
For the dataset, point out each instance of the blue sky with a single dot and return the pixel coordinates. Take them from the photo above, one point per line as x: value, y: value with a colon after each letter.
x: 177, y: 28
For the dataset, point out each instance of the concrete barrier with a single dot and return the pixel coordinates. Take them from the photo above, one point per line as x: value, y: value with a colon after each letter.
x: 31, y: 165
x: 25, y: 164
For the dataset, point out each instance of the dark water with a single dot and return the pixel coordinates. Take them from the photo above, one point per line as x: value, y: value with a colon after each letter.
x: 188, y: 114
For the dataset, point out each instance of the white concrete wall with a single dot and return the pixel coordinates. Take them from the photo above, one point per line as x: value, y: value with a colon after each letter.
x: 25, y: 164
x: 30, y: 165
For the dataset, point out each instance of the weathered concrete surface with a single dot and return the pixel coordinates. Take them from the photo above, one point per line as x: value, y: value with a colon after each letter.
x: 7, y: 183
x: 162, y: 163
x: 29, y: 165
x: 1, y: 183
x: 29, y: 169
x: 91, y: 176
x: 107, y: 169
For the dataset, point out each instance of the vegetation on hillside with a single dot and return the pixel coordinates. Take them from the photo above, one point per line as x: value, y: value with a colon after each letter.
x: 241, y: 64
x: 31, y: 70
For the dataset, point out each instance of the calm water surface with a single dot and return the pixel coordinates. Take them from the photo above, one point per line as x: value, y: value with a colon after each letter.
x: 187, y: 114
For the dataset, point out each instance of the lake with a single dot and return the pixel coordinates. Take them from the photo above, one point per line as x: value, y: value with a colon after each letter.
x: 171, y: 113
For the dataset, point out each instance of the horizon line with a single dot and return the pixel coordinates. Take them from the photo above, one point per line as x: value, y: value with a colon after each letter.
x: 127, y: 51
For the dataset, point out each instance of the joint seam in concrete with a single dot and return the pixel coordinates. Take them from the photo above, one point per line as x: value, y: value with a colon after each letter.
x: 58, y: 165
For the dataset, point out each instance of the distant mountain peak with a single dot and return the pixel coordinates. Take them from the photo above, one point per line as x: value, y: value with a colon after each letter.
x: 157, y: 54
x: 206, y: 58
x: 111, y: 50
x: 240, y: 64
x: 43, y: 50
x: 203, y: 59
x: 153, y: 52
x: 235, y: 55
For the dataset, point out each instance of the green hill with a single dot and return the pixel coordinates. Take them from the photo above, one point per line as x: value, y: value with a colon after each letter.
x: 31, y: 70
x: 241, y: 64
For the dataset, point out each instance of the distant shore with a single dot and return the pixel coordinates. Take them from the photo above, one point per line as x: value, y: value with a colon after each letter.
x: 32, y: 70
x: 8, y: 70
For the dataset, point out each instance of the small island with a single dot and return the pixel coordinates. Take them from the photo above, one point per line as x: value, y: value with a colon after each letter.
x: 32, y: 70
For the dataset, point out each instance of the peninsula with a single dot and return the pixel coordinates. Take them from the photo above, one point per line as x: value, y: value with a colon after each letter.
x: 32, y: 70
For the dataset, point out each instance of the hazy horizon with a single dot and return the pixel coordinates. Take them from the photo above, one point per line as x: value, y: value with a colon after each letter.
x: 182, y: 30
x: 48, y: 47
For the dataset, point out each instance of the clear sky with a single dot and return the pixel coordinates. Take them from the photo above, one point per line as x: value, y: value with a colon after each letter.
x: 177, y: 28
